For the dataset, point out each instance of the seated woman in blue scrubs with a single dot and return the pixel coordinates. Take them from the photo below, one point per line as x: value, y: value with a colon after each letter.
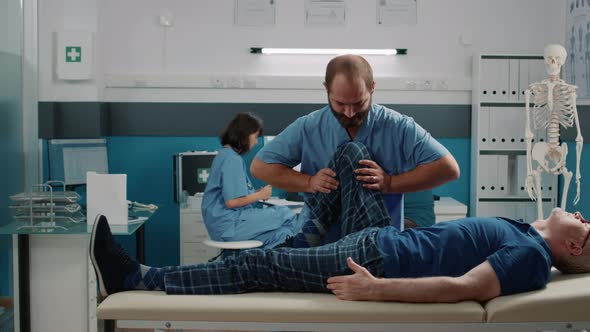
x: 230, y: 204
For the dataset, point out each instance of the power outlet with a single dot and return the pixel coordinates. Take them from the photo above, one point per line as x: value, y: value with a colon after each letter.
x: 234, y: 82
x: 426, y: 85
x: 249, y: 83
x: 216, y: 82
x: 410, y: 85
x: 442, y: 85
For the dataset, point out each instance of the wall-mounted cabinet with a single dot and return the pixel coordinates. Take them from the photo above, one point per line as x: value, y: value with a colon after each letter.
x: 498, y: 167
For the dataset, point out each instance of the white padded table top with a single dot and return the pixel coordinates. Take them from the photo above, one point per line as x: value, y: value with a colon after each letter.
x: 280, y: 307
x: 566, y: 298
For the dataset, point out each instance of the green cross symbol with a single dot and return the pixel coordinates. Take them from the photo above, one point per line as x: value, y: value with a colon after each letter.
x: 203, y: 175
x: 73, y: 54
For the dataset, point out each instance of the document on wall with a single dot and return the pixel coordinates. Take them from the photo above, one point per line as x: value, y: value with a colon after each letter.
x: 325, y: 12
x: 254, y: 12
x: 397, y: 12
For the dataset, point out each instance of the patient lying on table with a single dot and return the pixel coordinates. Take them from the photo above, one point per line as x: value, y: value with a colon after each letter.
x: 466, y: 259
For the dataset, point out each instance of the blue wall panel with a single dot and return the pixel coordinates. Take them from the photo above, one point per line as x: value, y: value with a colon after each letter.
x: 458, y: 189
x: 147, y: 161
x: 583, y: 205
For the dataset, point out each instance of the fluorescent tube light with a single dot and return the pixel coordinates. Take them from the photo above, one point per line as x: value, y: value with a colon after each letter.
x: 315, y: 51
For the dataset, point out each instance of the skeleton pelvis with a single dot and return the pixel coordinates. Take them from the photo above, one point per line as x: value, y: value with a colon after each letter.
x: 542, y: 153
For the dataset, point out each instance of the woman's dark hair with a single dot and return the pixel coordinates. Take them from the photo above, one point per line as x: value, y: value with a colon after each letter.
x: 237, y: 131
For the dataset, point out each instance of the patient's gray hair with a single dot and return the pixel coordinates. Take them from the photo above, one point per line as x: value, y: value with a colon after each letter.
x: 573, y: 264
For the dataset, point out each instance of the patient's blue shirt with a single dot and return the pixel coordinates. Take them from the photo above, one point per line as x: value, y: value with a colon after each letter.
x: 396, y: 142
x: 516, y: 251
x: 228, y: 180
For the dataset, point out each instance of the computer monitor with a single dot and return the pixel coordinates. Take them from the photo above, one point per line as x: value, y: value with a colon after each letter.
x: 70, y: 159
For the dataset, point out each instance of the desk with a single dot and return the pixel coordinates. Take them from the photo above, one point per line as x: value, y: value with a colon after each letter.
x: 56, y: 282
x: 448, y: 208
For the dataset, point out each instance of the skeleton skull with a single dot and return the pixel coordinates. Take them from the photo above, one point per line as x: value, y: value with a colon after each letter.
x: 555, y: 56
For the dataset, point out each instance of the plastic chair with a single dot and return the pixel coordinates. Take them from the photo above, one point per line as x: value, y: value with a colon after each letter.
x: 230, y: 248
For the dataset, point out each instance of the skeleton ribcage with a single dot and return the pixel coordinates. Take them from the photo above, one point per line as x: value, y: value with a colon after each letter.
x: 563, y: 110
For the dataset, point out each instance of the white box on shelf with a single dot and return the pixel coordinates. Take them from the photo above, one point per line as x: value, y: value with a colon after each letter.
x: 106, y: 195
x: 447, y: 208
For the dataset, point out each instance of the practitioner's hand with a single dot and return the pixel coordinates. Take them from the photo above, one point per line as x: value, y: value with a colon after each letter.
x: 373, y: 175
x: 360, y: 286
x: 323, y: 181
x: 264, y: 193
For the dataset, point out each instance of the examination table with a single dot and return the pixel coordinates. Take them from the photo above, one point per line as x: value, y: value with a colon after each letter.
x: 564, y: 305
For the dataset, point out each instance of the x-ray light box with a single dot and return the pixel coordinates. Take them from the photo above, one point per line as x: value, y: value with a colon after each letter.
x: 70, y: 159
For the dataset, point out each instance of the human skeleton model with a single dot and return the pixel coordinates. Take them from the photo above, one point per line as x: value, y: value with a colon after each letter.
x: 554, y: 105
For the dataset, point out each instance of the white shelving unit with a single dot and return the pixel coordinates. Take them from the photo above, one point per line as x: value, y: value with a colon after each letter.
x: 498, y: 147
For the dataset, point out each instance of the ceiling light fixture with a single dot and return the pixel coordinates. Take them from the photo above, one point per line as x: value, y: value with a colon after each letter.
x: 321, y: 51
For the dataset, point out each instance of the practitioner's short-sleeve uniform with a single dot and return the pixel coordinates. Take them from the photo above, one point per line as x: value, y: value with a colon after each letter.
x: 396, y: 142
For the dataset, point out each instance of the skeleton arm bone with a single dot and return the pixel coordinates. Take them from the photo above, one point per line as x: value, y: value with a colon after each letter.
x: 579, y: 144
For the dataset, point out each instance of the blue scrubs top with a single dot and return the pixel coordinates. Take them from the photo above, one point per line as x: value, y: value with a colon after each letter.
x: 518, y: 254
x: 396, y: 142
x: 228, y: 180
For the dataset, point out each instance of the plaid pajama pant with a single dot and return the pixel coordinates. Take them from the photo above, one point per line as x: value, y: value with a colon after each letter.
x: 305, y: 268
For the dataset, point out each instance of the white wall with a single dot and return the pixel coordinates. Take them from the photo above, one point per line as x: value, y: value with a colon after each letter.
x: 9, y: 21
x: 54, y: 16
x: 184, y: 62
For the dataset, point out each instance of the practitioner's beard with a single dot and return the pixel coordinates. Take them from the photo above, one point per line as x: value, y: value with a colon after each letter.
x: 355, y: 121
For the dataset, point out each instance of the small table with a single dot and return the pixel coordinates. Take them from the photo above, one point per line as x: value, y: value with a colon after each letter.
x: 56, y: 288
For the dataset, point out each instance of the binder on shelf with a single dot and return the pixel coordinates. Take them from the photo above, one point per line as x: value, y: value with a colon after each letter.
x: 507, y: 126
x: 483, y: 125
x: 514, y: 82
x: 494, y: 80
x: 548, y: 184
x: 518, y: 187
x: 502, y: 175
x: 498, y: 209
x: 485, y: 174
